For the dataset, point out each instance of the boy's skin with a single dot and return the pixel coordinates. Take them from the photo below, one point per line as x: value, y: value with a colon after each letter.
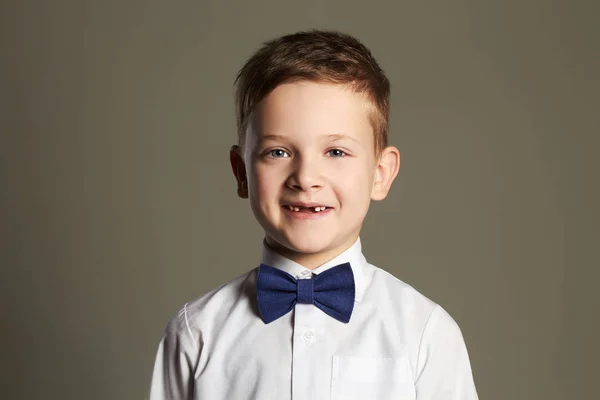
x: 312, y: 143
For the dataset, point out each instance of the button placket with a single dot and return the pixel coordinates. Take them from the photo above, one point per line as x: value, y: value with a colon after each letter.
x: 305, y: 349
x: 306, y: 346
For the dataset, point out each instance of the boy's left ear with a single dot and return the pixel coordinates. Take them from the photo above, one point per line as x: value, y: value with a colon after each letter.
x: 385, y: 172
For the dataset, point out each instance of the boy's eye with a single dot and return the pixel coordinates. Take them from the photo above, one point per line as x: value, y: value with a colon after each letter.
x: 336, y: 153
x: 278, y: 153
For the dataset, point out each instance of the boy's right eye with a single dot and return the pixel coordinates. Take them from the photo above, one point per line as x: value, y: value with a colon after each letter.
x: 278, y: 153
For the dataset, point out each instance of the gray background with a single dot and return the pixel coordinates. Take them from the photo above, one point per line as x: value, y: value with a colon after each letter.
x: 118, y: 205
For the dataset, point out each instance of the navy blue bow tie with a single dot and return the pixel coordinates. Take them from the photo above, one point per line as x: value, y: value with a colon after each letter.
x: 332, y: 291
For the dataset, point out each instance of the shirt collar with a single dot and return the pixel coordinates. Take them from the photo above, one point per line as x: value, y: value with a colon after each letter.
x: 352, y: 255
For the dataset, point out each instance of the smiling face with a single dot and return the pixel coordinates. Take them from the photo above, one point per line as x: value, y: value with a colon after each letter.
x: 310, y: 170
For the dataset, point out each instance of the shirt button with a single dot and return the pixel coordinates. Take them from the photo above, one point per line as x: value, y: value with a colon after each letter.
x: 308, y: 336
x: 305, y: 273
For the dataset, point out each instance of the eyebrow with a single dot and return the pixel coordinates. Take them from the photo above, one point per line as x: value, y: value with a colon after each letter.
x: 272, y: 137
x: 339, y: 136
x: 332, y: 137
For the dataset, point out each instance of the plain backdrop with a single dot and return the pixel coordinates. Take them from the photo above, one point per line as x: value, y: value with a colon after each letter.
x: 118, y: 204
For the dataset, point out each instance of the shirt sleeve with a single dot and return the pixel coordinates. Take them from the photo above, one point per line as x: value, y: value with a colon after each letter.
x: 176, y: 359
x: 443, y: 366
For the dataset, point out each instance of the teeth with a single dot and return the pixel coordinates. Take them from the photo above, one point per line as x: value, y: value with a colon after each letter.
x: 316, y: 209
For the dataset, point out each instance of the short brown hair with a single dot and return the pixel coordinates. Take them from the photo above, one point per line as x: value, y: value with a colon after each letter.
x: 319, y: 56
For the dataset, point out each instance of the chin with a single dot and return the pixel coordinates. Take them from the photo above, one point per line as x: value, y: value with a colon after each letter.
x: 305, y: 244
x: 308, y: 248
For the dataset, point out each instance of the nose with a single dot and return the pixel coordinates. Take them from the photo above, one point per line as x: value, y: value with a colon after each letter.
x: 306, y: 175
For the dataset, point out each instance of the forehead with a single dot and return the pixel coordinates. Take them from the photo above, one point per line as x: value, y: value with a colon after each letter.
x: 304, y: 110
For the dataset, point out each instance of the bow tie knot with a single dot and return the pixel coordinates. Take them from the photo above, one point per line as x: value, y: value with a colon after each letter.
x: 332, y: 291
x: 305, y: 291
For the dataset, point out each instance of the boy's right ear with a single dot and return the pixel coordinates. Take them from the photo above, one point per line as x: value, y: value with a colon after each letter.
x: 239, y: 171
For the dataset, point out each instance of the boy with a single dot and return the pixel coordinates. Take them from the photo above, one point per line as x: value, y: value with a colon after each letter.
x: 314, y: 320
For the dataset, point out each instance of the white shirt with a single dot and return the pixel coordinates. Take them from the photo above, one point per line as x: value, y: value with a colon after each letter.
x: 398, y: 345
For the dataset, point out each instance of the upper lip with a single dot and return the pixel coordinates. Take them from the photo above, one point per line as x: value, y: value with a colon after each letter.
x: 305, y: 205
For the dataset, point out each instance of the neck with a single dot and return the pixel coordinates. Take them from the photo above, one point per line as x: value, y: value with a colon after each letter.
x: 307, y: 260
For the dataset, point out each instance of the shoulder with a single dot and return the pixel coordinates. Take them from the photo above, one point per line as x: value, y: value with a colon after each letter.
x: 423, y: 322
x: 403, y: 301
x: 408, y: 300
x: 208, y: 308
x: 399, y: 294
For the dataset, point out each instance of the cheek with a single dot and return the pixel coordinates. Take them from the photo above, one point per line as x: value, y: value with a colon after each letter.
x: 354, y: 176
x: 353, y: 183
x: 260, y: 193
x: 266, y: 182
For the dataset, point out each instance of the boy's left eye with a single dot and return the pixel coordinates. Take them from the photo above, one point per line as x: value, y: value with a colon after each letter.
x: 336, y: 153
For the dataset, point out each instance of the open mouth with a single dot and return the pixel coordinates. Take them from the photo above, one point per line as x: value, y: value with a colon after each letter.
x: 316, y: 209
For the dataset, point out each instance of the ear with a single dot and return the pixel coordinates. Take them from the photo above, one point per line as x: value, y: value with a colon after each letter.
x: 239, y: 171
x: 386, y: 170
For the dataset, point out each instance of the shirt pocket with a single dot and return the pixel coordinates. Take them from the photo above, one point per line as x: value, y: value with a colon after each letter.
x: 369, y: 378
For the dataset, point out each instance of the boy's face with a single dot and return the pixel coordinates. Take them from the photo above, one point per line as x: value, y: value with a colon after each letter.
x: 311, y: 145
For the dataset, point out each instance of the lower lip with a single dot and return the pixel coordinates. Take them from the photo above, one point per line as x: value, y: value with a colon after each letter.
x: 303, y: 215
